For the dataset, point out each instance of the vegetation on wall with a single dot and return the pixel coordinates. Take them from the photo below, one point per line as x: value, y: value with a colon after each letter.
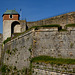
x: 51, y: 60
x: 70, y: 25
x: 8, y: 39
x: 12, y: 52
x: 53, y: 25
x: 71, y: 45
x: 3, y: 68
x: 12, y: 70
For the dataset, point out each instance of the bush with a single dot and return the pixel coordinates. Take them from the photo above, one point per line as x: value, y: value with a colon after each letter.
x: 4, y: 68
x: 8, y: 39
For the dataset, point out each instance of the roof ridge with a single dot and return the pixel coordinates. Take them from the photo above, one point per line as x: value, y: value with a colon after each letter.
x: 11, y: 12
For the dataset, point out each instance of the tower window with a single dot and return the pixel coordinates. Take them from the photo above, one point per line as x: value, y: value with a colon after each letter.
x: 11, y: 16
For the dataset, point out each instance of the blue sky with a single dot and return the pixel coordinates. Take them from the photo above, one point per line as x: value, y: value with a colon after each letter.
x: 34, y: 10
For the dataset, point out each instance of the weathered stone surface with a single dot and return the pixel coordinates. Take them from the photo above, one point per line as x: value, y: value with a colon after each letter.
x: 48, y: 69
x: 33, y: 43
x: 19, y: 54
x: 56, y: 44
x: 1, y: 41
x: 68, y: 18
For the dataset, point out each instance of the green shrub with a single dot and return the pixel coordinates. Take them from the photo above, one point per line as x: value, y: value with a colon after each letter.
x: 8, y: 39
x: 4, y: 68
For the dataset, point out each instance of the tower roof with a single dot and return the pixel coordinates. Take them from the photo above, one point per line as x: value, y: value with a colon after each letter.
x: 11, y: 12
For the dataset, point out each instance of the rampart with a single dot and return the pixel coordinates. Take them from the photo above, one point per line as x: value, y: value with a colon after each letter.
x: 62, y: 20
x: 17, y: 51
x: 44, y: 41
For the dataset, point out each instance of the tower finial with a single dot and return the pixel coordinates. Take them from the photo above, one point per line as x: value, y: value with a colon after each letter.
x: 20, y: 14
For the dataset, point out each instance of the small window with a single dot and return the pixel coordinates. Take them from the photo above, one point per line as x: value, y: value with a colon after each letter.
x: 10, y: 16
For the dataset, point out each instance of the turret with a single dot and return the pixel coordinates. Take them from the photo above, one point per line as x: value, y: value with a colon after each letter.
x: 10, y: 20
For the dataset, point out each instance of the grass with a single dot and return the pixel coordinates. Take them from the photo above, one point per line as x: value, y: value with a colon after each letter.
x: 53, y: 25
x: 51, y: 60
x: 70, y: 25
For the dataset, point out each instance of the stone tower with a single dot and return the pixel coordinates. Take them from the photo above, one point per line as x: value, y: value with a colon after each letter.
x: 10, y: 23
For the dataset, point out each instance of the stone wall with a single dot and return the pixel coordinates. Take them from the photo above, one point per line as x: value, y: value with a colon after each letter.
x: 62, y: 20
x: 17, y: 51
x: 49, y: 69
x: 54, y: 43
x: 23, y: 25
x: 44, y: 41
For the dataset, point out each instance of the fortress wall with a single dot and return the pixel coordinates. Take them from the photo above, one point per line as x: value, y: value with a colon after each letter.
x: 17, y: 51
x: 45, y: 41
x: 49, y: 69
x: 30, y: 24
x: 54, y: 43
x: 62, y: 20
